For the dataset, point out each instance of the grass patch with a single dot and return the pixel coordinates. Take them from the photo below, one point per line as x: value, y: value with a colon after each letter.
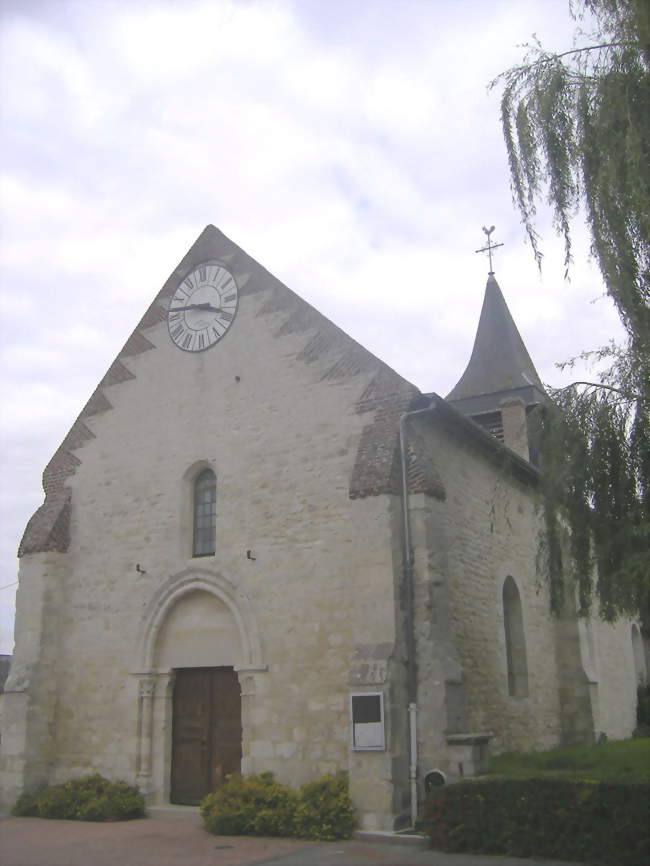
x: 615, y: 761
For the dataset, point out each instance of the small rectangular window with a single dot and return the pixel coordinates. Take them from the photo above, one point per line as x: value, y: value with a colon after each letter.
x: 367, y: 718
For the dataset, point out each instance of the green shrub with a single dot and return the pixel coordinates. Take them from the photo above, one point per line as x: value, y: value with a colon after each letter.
x: 251, y: 806
x: 25, y: 806
x: 551, y: 818
x: 324, y: 809
x: 88, y: 798
x: 260, y: 806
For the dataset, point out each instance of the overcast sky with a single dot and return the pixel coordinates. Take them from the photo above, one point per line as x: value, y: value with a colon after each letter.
x: 349, y: 146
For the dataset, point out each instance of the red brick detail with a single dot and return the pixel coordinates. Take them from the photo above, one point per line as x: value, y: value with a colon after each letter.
x: 421, y: 470
x: 377, y: 467
x: 62, y: 465
x: 387, y: 390
x: 303, y: 319
x: 154, y: 315
x: 348, y: 357
x: 97, y: 403
x: 117, y: 373
x: 135, y: 345
x: 49, y: 526
x: 254, y: 285
x: 281, y: 302
x: 354, y: 360
x: 320, y: 344
x: 76, y: 437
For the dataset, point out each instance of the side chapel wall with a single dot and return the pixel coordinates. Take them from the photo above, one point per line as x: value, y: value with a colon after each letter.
x: 490, y: 523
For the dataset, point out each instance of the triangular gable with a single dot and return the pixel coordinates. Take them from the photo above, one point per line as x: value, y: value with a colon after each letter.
x: 385, y: 399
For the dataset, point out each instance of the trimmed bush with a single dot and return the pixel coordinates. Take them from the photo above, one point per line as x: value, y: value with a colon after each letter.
x: 324, y: 809
x: 25, y: 806
x: 251, y: 806
x: 88, y: 798
x: 260, y: 806
x: 601, y: 822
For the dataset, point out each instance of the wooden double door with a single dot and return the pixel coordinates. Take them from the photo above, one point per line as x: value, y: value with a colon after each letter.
x: 206, y: 731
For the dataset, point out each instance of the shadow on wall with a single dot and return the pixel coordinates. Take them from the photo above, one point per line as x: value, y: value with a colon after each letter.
x: 5, y: 662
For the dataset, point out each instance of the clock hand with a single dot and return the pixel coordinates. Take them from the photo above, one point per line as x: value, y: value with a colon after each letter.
x: 205, y: 306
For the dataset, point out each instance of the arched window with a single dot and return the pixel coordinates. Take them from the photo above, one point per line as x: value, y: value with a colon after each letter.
x: 515, y: 640
x: 205, y: 513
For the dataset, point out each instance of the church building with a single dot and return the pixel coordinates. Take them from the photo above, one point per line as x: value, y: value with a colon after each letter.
x: 262, y: 549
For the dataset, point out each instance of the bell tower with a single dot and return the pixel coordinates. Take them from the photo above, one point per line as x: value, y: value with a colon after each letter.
x: 500, y: 388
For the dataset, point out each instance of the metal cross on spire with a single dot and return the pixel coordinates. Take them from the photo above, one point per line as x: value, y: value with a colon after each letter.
x: 490, y: 246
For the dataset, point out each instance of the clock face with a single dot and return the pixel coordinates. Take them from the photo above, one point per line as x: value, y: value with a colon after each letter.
x: 203, y: 307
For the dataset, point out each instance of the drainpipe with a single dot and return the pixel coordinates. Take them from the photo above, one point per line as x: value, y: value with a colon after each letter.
x: 407, y: 554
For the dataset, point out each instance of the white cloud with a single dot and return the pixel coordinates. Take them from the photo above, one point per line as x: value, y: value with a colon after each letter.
x: 350, y: 147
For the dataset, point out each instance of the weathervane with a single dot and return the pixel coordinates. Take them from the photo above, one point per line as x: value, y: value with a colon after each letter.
x: 490, y: 246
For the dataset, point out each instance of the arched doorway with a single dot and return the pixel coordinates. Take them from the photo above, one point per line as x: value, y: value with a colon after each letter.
x: 199, y: 639
x: 199, y: 642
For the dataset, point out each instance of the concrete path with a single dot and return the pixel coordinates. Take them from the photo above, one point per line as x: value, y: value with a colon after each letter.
x: 173, y: 842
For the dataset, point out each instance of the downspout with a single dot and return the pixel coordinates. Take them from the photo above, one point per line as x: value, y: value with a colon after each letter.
x: 407, y: 555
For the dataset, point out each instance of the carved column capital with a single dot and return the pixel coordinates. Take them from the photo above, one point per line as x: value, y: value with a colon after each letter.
x: 147, y: 687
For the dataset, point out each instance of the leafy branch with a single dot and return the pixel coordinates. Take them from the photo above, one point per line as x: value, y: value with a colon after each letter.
x: 576, y: 125
x: 626, y: 395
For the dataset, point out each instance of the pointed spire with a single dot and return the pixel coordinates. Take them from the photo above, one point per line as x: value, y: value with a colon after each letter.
x: 500, y: 361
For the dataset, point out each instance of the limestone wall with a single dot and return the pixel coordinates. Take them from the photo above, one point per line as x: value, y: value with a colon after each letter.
x: 490, y: 525
x: 613, y: 666
x: 28, y: 745
x: 318, y: 580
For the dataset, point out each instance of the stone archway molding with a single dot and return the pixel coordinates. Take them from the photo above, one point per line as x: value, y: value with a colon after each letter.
x: 199, y: 580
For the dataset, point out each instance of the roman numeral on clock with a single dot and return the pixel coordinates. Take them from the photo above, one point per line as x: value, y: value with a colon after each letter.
x: 203, y: 307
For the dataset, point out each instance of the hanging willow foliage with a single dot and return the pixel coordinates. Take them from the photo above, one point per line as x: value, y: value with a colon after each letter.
x: 596, y: 479
x: 577, y: 131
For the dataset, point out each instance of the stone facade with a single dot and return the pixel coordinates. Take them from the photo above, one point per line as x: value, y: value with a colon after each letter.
x: 305, y: 595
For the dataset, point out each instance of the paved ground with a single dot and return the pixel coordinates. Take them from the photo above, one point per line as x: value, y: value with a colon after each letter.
x: 167, y: 841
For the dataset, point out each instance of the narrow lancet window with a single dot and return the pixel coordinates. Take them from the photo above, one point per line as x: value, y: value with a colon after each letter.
x: 515, y: 640
x: 205, y: 513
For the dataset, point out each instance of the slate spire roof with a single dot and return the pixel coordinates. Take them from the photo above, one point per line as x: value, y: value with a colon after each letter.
x: 500, y: 363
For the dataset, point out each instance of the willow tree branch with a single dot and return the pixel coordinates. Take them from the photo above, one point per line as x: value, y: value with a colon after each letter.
x: 626, y: 394
x: 550, y: 57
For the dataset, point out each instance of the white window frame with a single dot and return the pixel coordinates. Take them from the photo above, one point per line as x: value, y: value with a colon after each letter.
x: 379, y: 744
